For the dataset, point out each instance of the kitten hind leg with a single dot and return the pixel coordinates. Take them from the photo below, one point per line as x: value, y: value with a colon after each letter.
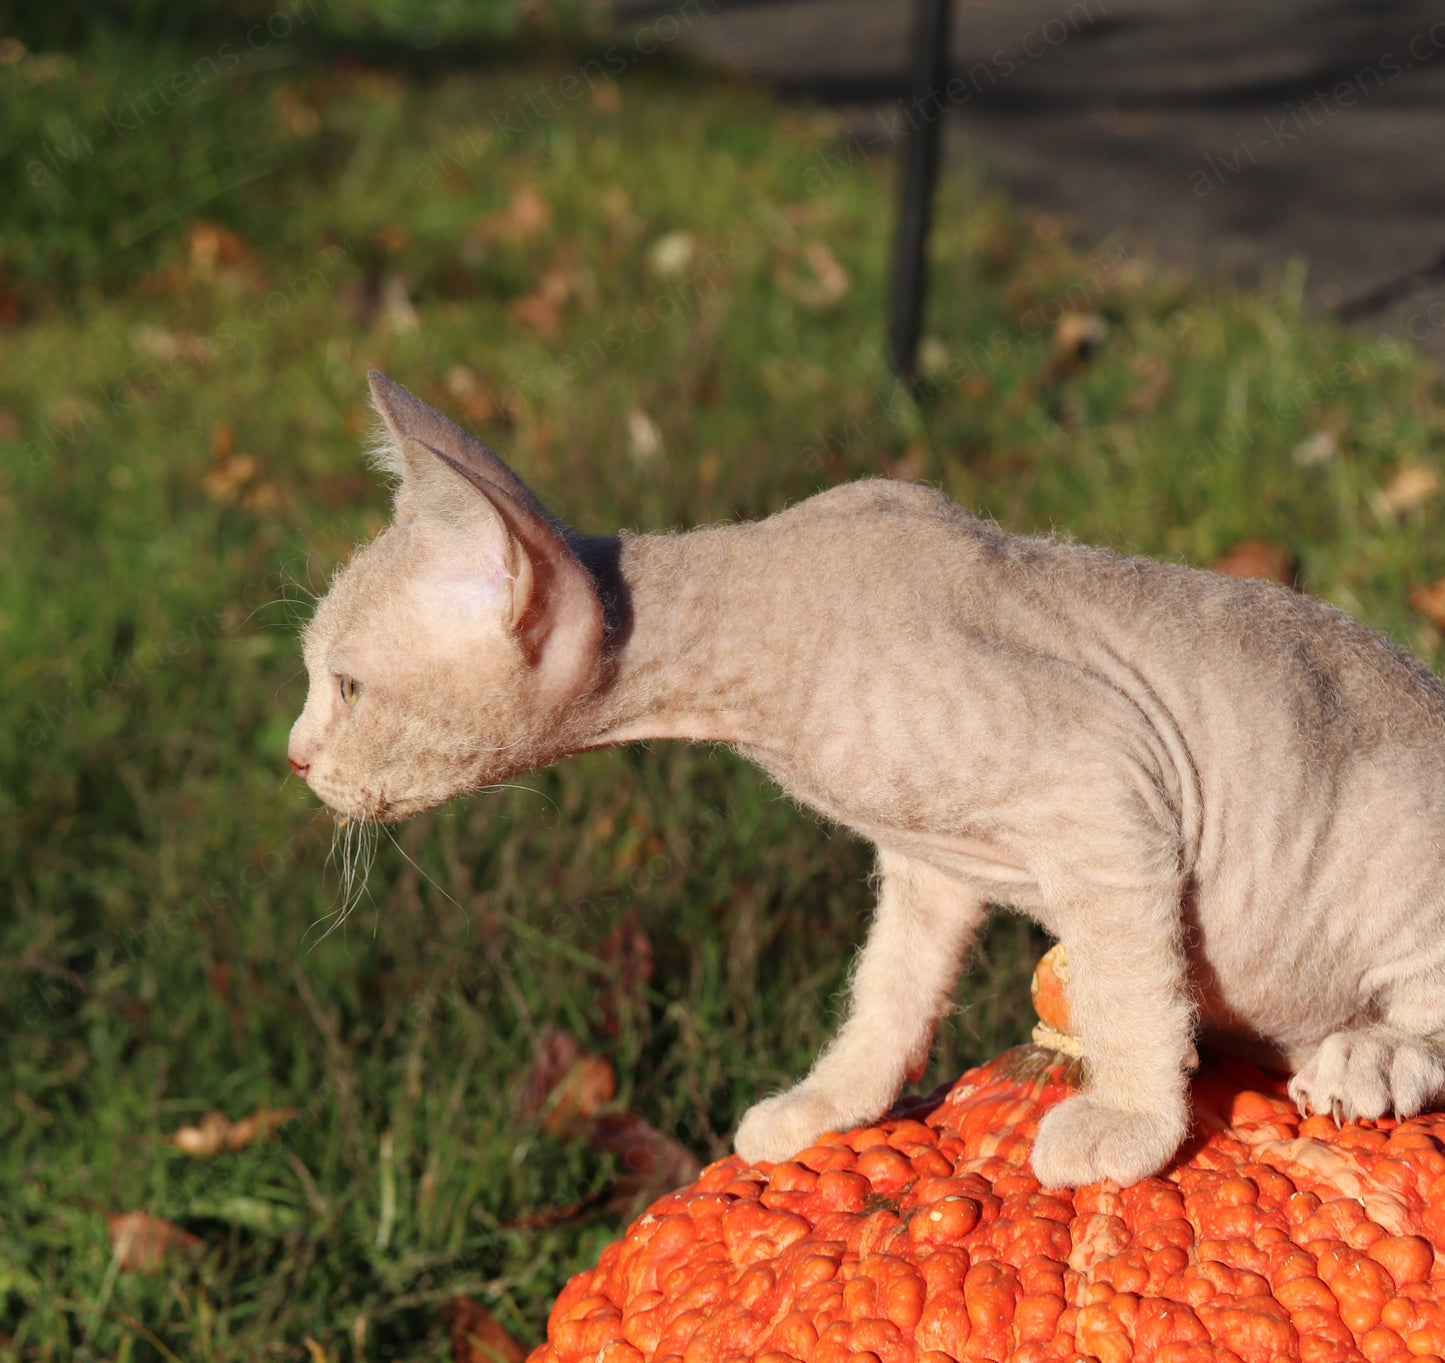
x: 901, y: 987
x: 1131, y: 1010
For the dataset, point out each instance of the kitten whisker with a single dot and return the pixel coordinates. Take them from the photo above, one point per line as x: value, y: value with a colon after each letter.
x: 299, y: 672
x: 289, y: 579
x: 356, y: 840
x: 498, y: 786
x: 265, y: 606
x: 424, y: 874
x: 289, y: 583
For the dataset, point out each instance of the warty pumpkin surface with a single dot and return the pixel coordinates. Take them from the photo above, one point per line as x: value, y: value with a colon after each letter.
x: 925, y: 1238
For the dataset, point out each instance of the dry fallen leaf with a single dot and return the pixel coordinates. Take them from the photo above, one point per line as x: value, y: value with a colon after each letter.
x: 528, y: 212
x: 226, y: 479
x: 170, y: 346
x: 1412, y: 486
x: 217, y: 1132
x: 141, y: 1242
x: 644, y: 438
x: 1430, y: 602
x: 708, y: 468
x: 542, y: 308
x: 212, y: 247
x: 223, y: 441
x: 1078, y: 334
x: 671, y: 253
x: 523, y: 218
x: 206, y: 1139
x: 560, y: 280
x: 570, y: 1087
x: 300, y: 119
x: 567, y: 1083
x: 588, y: 1087
x: 653, y: 1164
x: 1259, y: 559
x: 1156, y: 382
x: 932, y: 356
x: 382, y: 302
x: 475, y: 397
x: 617, y: 204
x: 823, y: 283
x: 627, y: 950
x: 69, y: 411
x: 167, y: 280
x: 538, y: 312
x: 798, y: 214
x: 393, y: 239
x: 1319, y: 448
x: 607, y: 96
x: 395, y: 311
x: 477, y: 1336
x: 265, y: 498
x: 910, y: 465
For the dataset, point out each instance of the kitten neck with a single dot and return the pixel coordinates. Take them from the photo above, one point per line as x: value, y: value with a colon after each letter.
x: 688, y: 619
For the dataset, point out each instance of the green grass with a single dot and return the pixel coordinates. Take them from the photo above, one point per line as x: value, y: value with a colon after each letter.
x: 164, y: 890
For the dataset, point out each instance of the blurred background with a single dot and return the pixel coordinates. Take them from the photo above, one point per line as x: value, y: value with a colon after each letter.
x: 1183, y: 292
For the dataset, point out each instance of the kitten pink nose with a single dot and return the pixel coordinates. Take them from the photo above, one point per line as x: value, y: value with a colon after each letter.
x: 300, y: 768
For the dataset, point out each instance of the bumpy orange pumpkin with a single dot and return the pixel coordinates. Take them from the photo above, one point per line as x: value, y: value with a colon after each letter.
x: 926, y: 1239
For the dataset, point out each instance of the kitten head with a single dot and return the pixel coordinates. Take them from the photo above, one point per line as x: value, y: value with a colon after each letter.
x: 448, y: 649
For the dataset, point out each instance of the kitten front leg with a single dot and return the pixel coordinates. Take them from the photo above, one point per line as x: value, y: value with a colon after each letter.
x: 900, y: 989
x: 1131, y: 1009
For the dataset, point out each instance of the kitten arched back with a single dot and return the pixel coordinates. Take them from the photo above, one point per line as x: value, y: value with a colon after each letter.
x: 1225, y: 798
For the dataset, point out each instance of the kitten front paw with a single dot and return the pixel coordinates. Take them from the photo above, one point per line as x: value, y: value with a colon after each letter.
x: 1367, y: 1073
x: 1086, y: 1139
x: 782, y: 1126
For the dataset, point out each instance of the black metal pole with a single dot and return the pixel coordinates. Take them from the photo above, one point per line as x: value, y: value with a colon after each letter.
x: 922, y: 125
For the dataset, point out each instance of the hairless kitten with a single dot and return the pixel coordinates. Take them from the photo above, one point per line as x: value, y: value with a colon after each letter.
x: 1223, y: 797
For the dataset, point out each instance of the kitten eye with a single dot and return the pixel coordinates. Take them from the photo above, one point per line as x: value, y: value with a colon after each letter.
x: 350, y: 690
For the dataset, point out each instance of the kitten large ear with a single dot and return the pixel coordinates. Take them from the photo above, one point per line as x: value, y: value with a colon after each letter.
x: 555, y: 612
x: 407, y: 417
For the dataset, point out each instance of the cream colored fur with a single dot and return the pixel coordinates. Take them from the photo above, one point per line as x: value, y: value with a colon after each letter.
x: 1224, y: 797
